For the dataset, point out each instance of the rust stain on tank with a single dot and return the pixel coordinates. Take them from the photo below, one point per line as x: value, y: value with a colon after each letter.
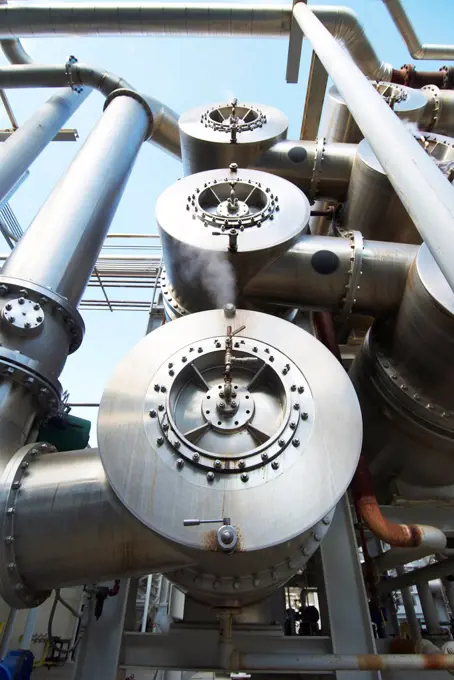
x: 210, y: 541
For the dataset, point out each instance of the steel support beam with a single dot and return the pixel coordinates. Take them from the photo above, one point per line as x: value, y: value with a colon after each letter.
x: 345, y: 591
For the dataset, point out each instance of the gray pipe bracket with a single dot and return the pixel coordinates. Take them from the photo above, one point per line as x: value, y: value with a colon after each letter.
x: 12, y: 587
x: 124, y: 92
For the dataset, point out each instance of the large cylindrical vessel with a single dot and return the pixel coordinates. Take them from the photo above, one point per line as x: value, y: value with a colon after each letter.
x: 219, y: 228
x: 404, y: 378
x: 373, y: 206
x: 229, y: 413
x: 216, y: 135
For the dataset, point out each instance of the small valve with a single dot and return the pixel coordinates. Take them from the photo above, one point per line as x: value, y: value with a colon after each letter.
x: 233, y: 238
x: 227, y: 536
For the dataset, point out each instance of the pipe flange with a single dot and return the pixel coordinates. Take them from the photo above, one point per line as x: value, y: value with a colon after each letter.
x: 70, y: 317
x: 71, y: 60
x: 125, y: 92
x: 174, y: 306
x: 407, y: 399
x: 240, y: 117
x: 317, y: 168
x: 435, y: 104
x: 232, y: 587
x: 354, y: 274
x: 24, y: 371
x: 14, y: 590
x: 445, y: 72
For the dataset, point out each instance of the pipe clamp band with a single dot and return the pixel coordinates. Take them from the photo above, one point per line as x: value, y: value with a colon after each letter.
x: 124, y: 92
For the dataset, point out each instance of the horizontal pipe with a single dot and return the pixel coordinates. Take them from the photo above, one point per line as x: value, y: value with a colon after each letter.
x: 426, y: 194
x: 28, y: 141
x: 294, y: 663
x: 78, y: 212
x: 415, y: 576
x: 433, y: 541
x: 71, y: 528
x: 417, y: 49
x: 315, y: 272
x: 25, y: 73
x: 320, y: 170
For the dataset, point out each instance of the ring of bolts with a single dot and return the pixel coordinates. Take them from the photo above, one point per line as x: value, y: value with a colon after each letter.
x: 233, y: 123
x: 269, y: 448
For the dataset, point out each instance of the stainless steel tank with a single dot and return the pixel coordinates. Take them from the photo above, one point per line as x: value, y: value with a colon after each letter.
x: 241, y: 420
x: 404, y: 380
x: 222, y: 133
x: 373, y: 206
x: 219, y: 228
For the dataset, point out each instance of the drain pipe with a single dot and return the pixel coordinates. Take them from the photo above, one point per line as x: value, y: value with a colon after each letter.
x: 26, y: 73
x: 19, y: 151
x: 425, y: 193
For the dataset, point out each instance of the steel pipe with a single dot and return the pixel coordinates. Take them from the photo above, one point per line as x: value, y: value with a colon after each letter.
x: 294, y: 663
x: 425, y: 193
x: 422, y: 575
x: 429, y: 609
x: 417, y: 49
x: 409, y: 607
x: 26, y: 73
x: 71, y: 528
x: 24, y: 146
x: 320, y: 170
x: 79, y: 223
x: 315, y: 272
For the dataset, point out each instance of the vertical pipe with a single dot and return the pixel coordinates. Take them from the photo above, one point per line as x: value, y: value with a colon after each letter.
x: 146, y: 607
x: 60, y: 248
x: 29, y: 628
x: 429, y: 609
x: 26, y: 143
x: 426, y: 194
x: 412, y: 619
x: 449, y: 590
x: 8, y: 632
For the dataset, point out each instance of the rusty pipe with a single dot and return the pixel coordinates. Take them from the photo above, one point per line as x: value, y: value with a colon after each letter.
x: 366, y: 504
x: 409, y: 76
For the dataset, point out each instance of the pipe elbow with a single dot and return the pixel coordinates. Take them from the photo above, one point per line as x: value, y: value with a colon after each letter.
x: 418, y: 53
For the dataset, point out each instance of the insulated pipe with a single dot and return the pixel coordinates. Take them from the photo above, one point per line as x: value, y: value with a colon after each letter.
x: 295, y: 663
x: 319, y: 170
x: 409, y: 607
x: 70, y: 528
x: 314, y: 274
x: 78, y: 213
x: 425, y: 193
x: 417, y: 49
x: 24, y: 146
x: 422, y: 575
x: 26, y: 73
x: 429, y: 609
x: 146, y: 606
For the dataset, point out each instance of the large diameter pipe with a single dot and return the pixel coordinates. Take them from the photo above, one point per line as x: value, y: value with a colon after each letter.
x: 70, y: 528
x: 429, y: 609
x: 425, y: 193
x: 60, y: 247
x: 24, y: 146
x: 319, y: 170
x: 314, y: 274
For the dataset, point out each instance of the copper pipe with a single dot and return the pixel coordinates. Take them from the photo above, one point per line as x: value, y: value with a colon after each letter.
x: 366, y: 504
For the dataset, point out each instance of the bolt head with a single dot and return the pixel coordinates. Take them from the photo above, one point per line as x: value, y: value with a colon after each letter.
x: 195, y: 457
x: 152, y: 413
x: 210, y: 476
x: 241, y: 464
x: 8, y: 307
x: 233, y: 404
x: 296, y: 442
x: 161, y: 407
x: 170, y: 365
x: 281, y: 442
x: 157, y: 388
x: 21, y: 301
x: 304, y: 416
x: 293, y: 426
x: 293, y: 388
x: 264, y: 456
x: 300, y: 389
x: 160, y: 441
x: 180, y: 463
x: 296, y: 407
x: 163, y: 388
x: 27, y: 324
x: 255, y: 349
x: 244, y: 477
x: 184, y: 359
x: 275, y: 464
x: 233, y: 167
x: 221, y: 405
x: 176, y: 444
x: 200, y: 350
x: 217, y: 464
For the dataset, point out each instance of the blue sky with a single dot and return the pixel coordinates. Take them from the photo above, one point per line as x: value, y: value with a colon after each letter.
x: 181, y: 72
